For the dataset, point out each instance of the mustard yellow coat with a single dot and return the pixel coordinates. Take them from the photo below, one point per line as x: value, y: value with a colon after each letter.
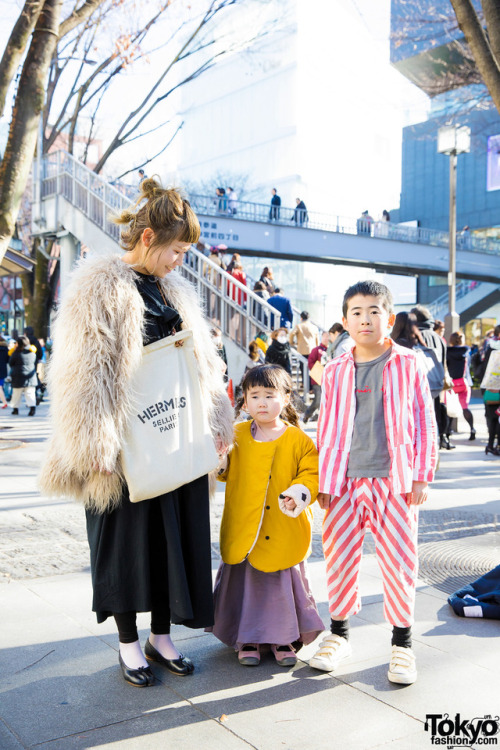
x: 253, y: 526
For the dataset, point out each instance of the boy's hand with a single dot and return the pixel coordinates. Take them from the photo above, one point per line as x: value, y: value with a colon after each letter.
x: 324, y: 500
x: 418, y: 494
x: 289, y: 503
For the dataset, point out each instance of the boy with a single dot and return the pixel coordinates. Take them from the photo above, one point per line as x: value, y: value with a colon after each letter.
x: 377, y: 452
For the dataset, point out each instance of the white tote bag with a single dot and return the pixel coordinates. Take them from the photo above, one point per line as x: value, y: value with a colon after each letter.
x: 452, y: 402
x: 168, y: 441
x: 491, y: 380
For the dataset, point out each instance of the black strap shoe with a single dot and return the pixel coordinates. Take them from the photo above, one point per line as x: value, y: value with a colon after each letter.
x: 181, y: 666
x: 142, y: 677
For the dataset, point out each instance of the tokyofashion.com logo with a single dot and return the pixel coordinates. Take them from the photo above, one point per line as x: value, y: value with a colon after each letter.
x: 459, y: 732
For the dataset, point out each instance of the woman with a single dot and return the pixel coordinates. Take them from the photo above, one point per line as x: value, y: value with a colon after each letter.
x: 4, y: 358
x: 457, y: 359
x: 152, y: 556
x: 235, y: 258
x: 267, y: 278
x: 491, y: 407
x: 22, y: 364
x: 405, y: 331
x: 239, y: 274
x: 278, y: 352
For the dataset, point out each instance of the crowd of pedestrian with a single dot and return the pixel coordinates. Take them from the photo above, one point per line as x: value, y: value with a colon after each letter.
x: 22, y: 370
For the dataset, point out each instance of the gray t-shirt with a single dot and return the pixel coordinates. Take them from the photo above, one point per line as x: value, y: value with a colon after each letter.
x: 369, y: 454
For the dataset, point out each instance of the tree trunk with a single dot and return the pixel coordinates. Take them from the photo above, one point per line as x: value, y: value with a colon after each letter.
x: 39, y: 312
x: 37, y: 292
x: 28, y: 106
x: 491, y: 10
x: 474, y: 34
x: 16, y: 45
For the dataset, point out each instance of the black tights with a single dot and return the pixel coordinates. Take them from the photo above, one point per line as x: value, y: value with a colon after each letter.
x: 469, y: 419
x: 492, y: 423
x: 126, y: 622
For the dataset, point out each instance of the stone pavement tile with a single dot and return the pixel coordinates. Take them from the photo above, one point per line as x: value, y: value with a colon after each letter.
x: 270, y: 707
x: 445, y: 665
x: 474, y: 640
x: 417, y: 741
x: 446, y: 684
x: 7, y: 739
x: 178, y: 726
x: 76, y: 688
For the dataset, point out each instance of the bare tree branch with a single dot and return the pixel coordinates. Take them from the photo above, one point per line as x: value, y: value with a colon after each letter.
x: 28, y: 107
x: 78, y: 16
x: 16, y: 46
x: 476, y: 38
x: 152, y: 157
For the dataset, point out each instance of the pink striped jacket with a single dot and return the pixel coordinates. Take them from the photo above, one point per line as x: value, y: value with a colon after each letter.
x: 409, y: 420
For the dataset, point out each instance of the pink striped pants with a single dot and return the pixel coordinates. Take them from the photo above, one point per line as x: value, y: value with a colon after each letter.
x: 369, y: 503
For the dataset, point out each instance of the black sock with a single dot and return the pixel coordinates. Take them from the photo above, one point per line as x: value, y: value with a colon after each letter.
x: 341, y: 628
x: 401, y: 637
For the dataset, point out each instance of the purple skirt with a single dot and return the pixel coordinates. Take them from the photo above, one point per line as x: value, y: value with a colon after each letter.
x: 256, y: 607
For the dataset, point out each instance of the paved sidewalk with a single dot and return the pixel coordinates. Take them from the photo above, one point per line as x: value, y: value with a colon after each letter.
x: 62, y: 688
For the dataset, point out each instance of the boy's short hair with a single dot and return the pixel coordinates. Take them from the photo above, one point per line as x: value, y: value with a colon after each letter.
x: 368, y: 289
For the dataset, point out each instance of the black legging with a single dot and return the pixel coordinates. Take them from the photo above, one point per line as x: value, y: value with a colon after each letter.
x: 441, y: 417
x: 492, y: 424
x: 469, y: 419
x: 126, y: 622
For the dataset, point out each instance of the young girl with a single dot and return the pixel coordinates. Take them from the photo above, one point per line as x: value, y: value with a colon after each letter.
x: 262, y: 593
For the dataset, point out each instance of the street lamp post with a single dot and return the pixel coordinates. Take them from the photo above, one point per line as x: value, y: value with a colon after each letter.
x: 452, y: 141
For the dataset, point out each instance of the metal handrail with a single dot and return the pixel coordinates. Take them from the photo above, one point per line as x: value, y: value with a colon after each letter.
x: 283, y: 215
x: 461, y: 290
x: 62, y: 166
x: 237, y: 310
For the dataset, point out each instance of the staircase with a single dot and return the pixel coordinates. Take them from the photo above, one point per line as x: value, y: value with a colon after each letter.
x: 71, y: 199
x: 472, y: 298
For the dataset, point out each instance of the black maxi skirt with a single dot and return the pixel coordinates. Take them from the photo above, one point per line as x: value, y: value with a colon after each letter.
x: 153, y: 553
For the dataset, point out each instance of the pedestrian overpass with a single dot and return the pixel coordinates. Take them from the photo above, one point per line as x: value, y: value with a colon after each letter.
x: 73, y: 202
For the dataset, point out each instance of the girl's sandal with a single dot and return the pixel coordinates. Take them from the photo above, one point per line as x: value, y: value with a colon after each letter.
x: 284, y: 655
x: 249, y: 655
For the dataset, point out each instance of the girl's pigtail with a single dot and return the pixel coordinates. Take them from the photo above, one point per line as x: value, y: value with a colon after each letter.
x: 239, y: 406
x: 290, y: 414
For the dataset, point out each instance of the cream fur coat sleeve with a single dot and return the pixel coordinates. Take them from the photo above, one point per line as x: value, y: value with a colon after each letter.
x: 97, y: 347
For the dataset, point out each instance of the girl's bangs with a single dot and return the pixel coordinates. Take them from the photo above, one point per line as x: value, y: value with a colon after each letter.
x: 267, y: 376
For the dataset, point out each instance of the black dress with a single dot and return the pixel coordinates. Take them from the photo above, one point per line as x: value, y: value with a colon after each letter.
x: 157, y: 552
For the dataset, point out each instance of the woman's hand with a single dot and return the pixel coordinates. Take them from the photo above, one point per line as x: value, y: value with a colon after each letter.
x: 221, y: 448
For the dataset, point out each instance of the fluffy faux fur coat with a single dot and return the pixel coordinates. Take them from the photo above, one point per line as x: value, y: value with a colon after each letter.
x: 97, y: 349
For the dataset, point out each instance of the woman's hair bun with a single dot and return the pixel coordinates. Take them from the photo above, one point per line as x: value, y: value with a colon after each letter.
x: 150, y: 188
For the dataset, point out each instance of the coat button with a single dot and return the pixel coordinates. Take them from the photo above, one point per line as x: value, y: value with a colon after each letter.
x: 267, y: 537
x: 268, y: 507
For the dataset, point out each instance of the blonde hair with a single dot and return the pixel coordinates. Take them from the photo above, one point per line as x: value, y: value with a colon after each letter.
x: 166, y: 212
x: 253, y: 351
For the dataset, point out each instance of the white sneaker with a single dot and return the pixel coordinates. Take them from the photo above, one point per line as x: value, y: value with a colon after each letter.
x: 331, y: 651
x: 403, y: 667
